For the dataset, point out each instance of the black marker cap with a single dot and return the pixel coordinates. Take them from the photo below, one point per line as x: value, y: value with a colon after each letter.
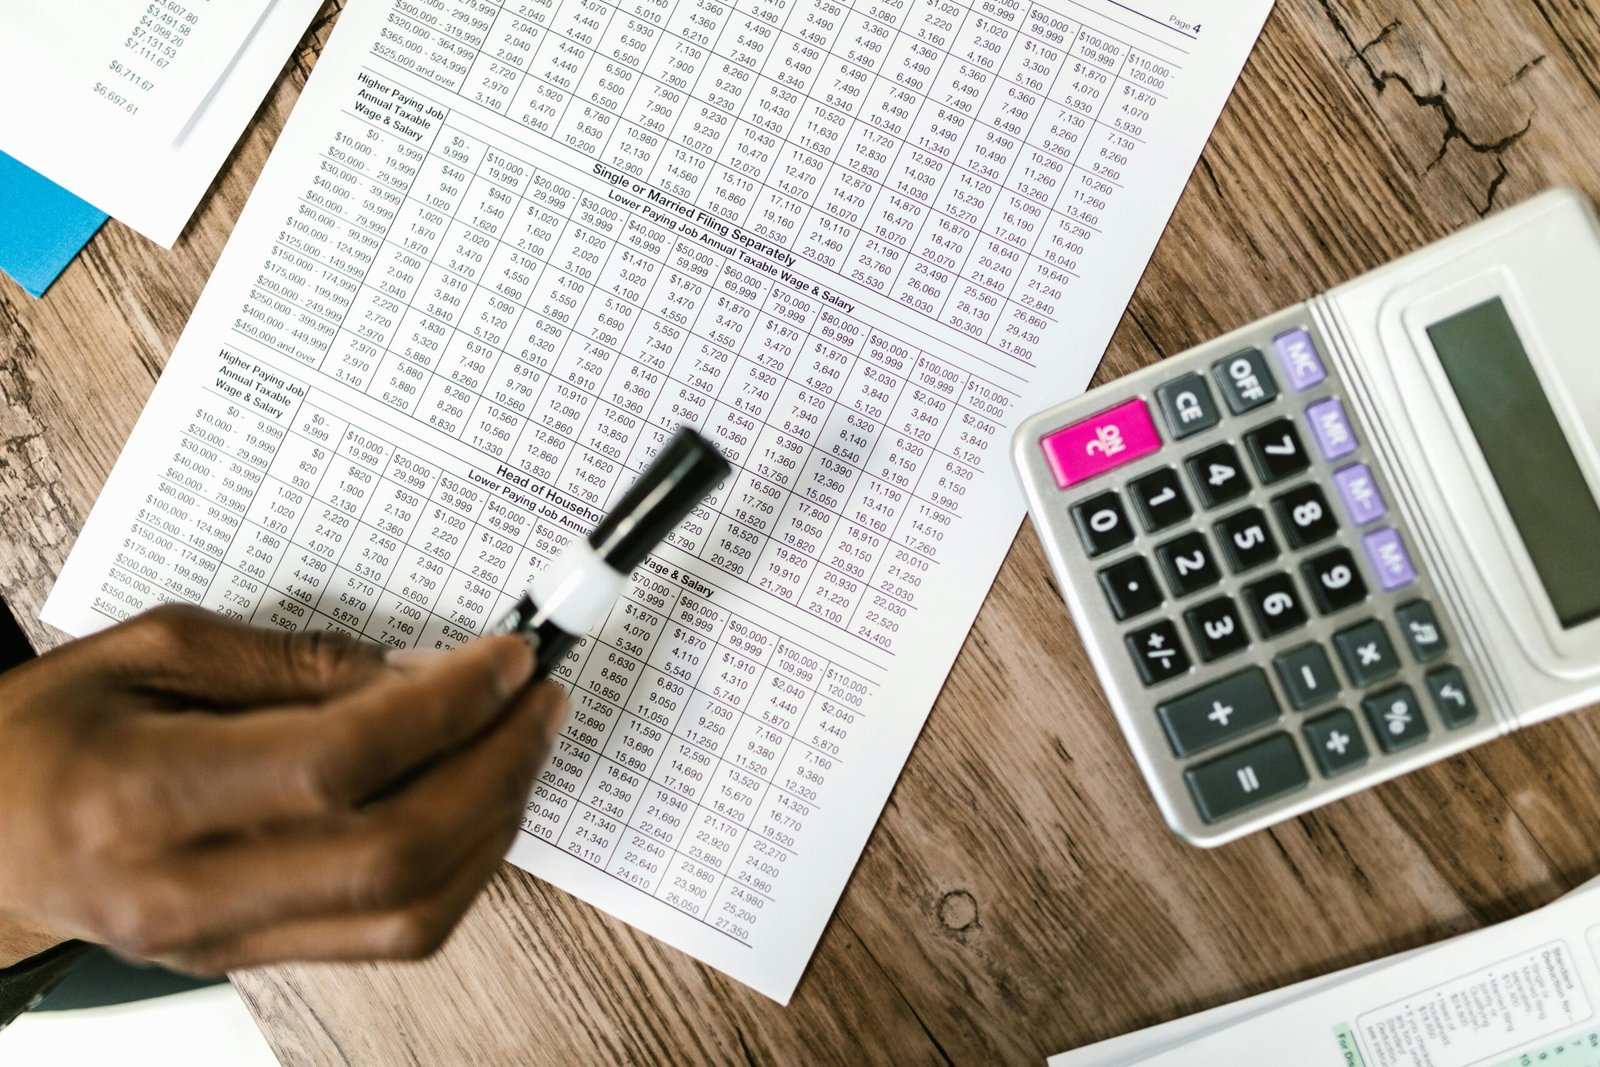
x: 683, y: 474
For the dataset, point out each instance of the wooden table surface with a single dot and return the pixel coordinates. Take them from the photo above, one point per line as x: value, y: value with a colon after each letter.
x: 1020, y: 895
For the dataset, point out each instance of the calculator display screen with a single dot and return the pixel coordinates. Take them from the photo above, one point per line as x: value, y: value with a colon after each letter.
x: 1550, y: 501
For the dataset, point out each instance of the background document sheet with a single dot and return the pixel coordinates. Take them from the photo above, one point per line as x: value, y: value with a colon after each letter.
x: 134, y: 106
x: 1520, y: 994
x: 503, y: 249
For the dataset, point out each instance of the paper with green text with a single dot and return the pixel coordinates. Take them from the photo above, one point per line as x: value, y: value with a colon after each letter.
x: 1524, y: 993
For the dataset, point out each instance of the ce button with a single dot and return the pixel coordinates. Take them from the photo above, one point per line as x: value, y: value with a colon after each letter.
x: 1187, y: 405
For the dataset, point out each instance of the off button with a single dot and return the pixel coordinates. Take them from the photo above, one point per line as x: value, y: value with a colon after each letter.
x: 1100, y: 443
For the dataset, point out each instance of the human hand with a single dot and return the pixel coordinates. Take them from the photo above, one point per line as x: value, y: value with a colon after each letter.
x: 216, y: 797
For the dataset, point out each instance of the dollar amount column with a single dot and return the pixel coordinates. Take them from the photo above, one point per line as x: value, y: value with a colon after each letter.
x: 989, y: 210
x: 815, y: 708
x: 176, y: 547
x: 333, y: 470
x: 736, y: 693
x: 276, y: 544
x: 911, y: 494
x: 604, y: 757
x: 1066, y: 177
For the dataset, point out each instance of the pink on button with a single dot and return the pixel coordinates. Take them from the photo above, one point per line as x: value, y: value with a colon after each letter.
x: 1100, y: 443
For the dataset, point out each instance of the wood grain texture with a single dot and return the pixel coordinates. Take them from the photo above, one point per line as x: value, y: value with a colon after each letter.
x: 1020, y: 895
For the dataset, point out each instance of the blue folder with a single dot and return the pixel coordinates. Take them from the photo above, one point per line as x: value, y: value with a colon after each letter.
x: 42, y: 226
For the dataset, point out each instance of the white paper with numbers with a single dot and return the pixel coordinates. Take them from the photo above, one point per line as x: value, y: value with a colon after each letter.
x: 502, y: 250
x: 134, y: 105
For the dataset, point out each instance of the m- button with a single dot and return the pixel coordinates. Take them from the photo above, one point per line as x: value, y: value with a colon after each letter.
x: 1187, y: 406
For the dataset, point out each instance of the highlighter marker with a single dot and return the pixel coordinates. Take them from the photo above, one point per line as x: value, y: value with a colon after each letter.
x: 572, y: 596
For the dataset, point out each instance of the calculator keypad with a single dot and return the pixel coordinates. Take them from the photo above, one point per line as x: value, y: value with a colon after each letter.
x: 1102, y: 524
x: 1335, y: 580
x: 1336, y: 743
x: 1366, y: 653
x: 1247, y: 777
x: 1219, y: 712
x: 1331, y: 428
x: 1305, y: 516
x: 1276, y: 605
x: 1245, y: 381
x: 1187, y: 406
x: 1396, y: 718
x: 1217, y: 629
x: 1158, y: 652
x: 1276, y: 451
x: 1451, y: 697
x: 1307, y: 676
x: 1389, y: 558
x: 1420, y: 628
x: 1130, y: 588
x: 1263, y: 585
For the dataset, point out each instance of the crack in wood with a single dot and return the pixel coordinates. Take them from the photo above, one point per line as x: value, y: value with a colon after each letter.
x: 1381, y: 77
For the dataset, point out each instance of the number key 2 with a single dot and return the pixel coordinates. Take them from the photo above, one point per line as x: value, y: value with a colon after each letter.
x: 1188, y: 564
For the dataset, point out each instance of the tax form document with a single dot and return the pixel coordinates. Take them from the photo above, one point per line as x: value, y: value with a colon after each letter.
x: 502, y: 250
x: 134, y: 106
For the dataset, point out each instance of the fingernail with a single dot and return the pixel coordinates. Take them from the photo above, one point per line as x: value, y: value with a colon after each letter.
x: 414, y: 659
x: 514, y: 662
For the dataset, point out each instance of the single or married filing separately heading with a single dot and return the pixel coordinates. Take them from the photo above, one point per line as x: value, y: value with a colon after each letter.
x: 503, y: 249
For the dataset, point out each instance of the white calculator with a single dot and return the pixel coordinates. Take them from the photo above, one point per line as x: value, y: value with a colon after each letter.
x: 1350, y: 539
